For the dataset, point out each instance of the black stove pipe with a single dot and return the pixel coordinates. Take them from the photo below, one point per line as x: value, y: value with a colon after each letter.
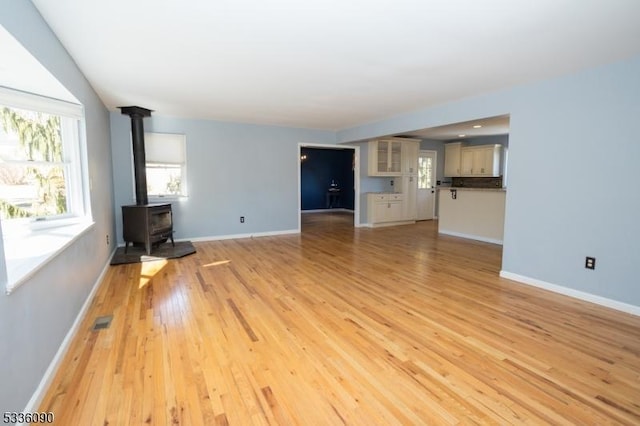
x: 137, y: 115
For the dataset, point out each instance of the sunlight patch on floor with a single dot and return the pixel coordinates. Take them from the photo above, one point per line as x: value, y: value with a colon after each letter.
x: 218, y: 263
x: 149, y: 269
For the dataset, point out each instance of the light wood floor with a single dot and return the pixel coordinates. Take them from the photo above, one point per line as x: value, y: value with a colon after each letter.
x: 344, y: 326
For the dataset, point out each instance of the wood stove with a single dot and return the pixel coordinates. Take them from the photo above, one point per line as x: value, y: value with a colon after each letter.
x: 143, y: 223
x: 147, y: 224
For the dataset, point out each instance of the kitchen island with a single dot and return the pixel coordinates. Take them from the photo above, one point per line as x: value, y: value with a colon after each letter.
x: 475, y: 213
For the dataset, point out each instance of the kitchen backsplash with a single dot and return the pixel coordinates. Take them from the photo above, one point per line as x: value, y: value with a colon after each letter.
x: 477, y: 182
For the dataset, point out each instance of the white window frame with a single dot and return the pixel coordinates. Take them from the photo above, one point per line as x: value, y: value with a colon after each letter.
x: 175, y: 156
x: 71, y: 117
x: 30, y: 243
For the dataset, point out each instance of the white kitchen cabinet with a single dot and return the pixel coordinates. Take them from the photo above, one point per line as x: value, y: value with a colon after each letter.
x: 396, y: 157
x: 480, y: 160
x: 384, y: 208
x: 452, y: 159
x: 467, y: 161
x: 410, y: 192
x: 385, y: 157
x: 410, y: 150
x: 409, y: 179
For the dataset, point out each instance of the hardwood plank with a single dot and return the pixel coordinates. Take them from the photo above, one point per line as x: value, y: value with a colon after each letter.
x: 344, y: 326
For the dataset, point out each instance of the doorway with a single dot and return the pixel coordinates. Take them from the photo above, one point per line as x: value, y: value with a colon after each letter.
x: 426, y: 198
x: 329, y: 203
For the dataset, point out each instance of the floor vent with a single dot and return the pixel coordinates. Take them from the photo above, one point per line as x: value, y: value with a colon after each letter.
x: 102, y: 322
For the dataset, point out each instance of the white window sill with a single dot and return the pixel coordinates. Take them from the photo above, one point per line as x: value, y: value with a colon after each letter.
x: 26, y: 254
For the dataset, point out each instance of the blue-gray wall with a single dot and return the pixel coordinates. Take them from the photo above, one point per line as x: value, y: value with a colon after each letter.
x: 320, y: 168
x: 233, y: 170
x: 36, y: 317
x: 573, y: 164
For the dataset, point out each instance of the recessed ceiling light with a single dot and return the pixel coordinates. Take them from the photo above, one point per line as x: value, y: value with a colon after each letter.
x: 477, y: 126
x: 461, y: 136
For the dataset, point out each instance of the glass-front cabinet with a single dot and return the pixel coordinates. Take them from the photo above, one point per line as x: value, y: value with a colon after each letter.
x: 385, y: 157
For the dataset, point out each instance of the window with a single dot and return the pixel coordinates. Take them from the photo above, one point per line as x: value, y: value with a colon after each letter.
x: 165, y: 164
x: 44, y: 201
x: 425, y: 171
x: 40, y: 169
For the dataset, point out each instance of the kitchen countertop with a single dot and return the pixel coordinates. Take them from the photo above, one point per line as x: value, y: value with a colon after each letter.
x: 458, y: 188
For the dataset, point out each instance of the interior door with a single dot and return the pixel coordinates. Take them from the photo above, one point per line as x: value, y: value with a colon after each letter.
x: 426, y: 184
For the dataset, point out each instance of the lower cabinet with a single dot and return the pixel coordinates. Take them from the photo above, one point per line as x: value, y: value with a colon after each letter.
x: 410, y: 193
x: 385, y: 208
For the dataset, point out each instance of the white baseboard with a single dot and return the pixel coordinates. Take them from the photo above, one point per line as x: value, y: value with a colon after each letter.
x: 384, y: 224
x: 234, y: 236
x: 249, y: 235
x: 326, y: 210
x: 45, y: 382
x: 470, y: 237
x: 588, y: 297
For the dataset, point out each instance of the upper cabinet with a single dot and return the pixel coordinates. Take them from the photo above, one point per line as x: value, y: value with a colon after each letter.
x: 473, y: 161
x: 468, y: 158
x: 385, y: 157
x: 452, y: 154
x: 393, y: 156
x: 481, y: 161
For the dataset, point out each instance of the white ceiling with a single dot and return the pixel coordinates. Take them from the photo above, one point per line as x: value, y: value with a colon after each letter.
x: 490, y: 126
x: 330, y: 64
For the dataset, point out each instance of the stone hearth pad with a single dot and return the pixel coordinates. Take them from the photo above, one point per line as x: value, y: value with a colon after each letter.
x: 163, y: 251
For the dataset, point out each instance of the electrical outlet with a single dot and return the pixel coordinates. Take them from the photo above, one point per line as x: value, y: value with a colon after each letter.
x: 590, y: 263
x: 241, y: 219
x: 107, y: 239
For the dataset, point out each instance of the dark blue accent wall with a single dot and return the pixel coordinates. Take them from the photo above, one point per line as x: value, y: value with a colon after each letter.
x: 318, y: 169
